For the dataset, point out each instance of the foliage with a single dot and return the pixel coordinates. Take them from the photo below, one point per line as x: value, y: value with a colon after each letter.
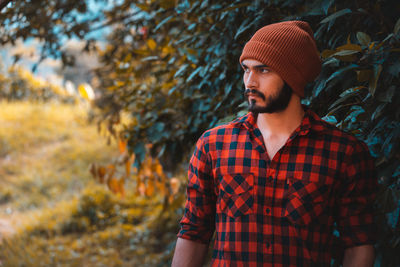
x: 173, y: 66
x: 3, y: 3
x: 148, y: 180
x: 20, y: 84
x: 41, y: 140
x: 46, y: 20
x: 61, y: 216
x: 357, y: 92
x: 132, y: 233
x: 182, y: 77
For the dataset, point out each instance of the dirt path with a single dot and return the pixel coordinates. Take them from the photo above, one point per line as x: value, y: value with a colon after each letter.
x: 8, y: 219
x: 6, y: 228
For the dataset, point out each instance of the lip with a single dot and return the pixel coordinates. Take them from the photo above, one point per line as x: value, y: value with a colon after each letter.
x: 253, y: 93
x: 253, y: 96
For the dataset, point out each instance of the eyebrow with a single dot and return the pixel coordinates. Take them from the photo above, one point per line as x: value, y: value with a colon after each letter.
x: 256, y: 66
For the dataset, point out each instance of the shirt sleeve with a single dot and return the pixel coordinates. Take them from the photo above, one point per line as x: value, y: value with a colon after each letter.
x: 198, y: 222
x: 355, y: 221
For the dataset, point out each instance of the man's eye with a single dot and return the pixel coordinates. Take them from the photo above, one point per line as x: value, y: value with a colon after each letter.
x: 264, y: 70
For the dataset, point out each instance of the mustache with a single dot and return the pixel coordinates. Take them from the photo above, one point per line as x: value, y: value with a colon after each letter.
x: 248, y: 92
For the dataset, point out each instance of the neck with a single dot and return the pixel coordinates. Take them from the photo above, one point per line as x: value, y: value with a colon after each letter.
x: 284, y: 122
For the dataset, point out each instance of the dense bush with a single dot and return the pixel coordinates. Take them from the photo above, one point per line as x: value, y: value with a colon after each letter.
x: 173, y: 65
x: 183, y: 69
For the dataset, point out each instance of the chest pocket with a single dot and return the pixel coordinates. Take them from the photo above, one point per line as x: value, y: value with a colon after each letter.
x: 306, y: 202
x: 236, y: 194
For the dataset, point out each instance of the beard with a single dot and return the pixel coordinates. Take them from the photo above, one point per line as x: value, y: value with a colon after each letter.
x: 274, y: 103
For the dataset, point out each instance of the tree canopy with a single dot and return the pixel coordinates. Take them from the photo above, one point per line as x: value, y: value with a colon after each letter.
x: 173, y: 65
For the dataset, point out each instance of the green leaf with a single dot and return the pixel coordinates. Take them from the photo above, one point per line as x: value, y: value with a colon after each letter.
x: 345, y: 53
x: 397, y: 27
x: 326, y: 5
x: 327, y: 53
x: 181, y: 70
x: 364, y: 75
x: 193, y: 74
x: 228, y: 89
x: 363, y: 38
x: 245, y: 26
x: 374, y: 79
x: 352, y: 47
x: 151, y: 58
x: 341, y: 71
x: 336, y: 15
x: 394, y: 69
x: 143, y: 7
x: 346, y: 95
x: 331, y: 61
x: 330, y: 119
x: 167, y: 4
x: 155, y: 132
x: 387, y: 96
x: 230, y: 8
x: 351, y: 90
x: 164, y: 21
x: 378, y: 111
x: 318, y: 88
x: 140, y: 152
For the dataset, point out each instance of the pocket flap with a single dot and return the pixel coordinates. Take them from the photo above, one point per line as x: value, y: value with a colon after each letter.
x: 237, y: 183
x: 307, y: 191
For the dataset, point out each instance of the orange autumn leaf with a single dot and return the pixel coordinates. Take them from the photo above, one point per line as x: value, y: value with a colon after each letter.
x: 150, y: 188
x: 127, y: 168
x: 158, y: 169
x: 110, y: 171
x: 122, y: 146
x: 101, y: 172
x: 141, y: 189
x: 128, y: 165
x: 113, y: 185
x: 121, y: 188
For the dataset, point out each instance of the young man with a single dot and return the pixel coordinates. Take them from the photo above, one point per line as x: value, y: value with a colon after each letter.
x: 273, y: 183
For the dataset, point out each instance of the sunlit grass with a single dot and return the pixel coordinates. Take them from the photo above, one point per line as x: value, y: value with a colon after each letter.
x: 59, y: 214
x: 25, y: 125
x: 45, y: 152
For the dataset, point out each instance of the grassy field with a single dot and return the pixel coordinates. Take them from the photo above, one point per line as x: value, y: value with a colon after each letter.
x: 53, y: 213
x: 45, y: 151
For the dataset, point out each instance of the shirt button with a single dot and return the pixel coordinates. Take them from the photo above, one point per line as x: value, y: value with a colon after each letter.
x: 267, y: 210
x: 270, y: 178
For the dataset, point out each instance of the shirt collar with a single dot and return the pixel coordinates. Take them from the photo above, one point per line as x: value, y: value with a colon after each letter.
x: 311, y: 121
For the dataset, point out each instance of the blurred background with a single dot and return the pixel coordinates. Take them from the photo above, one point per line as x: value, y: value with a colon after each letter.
x: 101, y: 103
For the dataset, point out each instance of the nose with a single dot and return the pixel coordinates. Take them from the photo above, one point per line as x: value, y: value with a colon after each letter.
x: 250, y: 80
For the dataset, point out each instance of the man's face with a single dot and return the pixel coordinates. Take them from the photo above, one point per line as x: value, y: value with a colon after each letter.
x: 266, y: 92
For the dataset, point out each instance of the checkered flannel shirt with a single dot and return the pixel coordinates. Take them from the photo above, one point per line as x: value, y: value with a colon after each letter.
x: 279, y: 212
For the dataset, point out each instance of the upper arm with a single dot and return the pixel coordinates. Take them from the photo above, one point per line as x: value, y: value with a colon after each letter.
x: 359, y: 256
x: 198, y: 220
x: 356, y: 196
x: 189, y: 253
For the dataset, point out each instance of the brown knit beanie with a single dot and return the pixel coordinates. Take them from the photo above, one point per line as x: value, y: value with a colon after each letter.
x: 289, y: 49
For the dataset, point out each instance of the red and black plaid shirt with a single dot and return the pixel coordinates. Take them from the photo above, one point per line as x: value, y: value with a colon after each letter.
x: 279, y: 212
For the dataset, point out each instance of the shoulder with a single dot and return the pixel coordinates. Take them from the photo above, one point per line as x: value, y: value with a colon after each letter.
x: 338, y: 138
x: 221, y: 131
